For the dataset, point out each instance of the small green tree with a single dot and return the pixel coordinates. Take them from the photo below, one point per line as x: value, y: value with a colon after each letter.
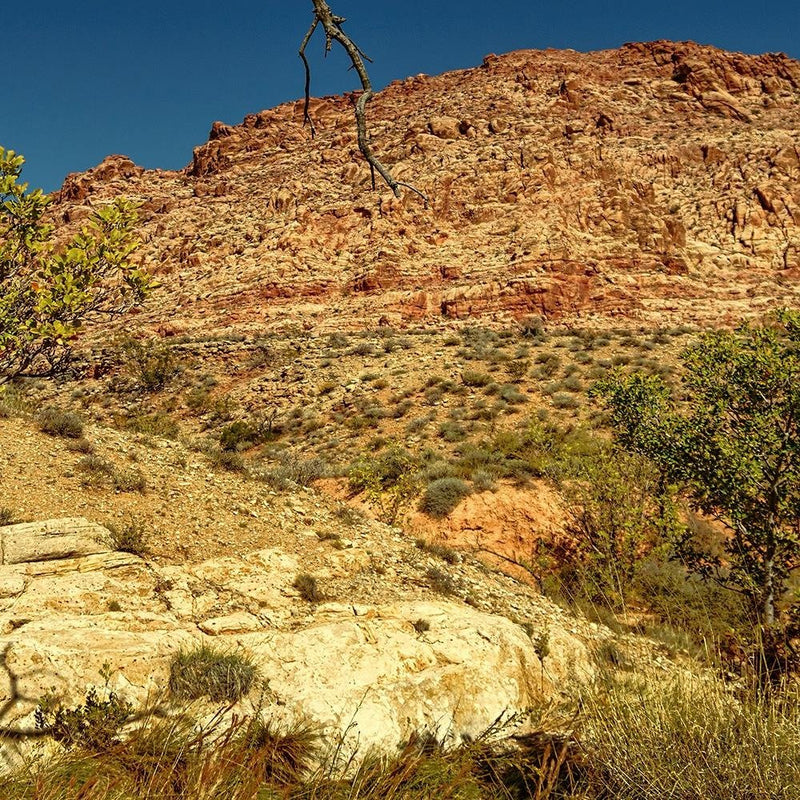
x: 388, y: 481
x: 733, y: 447
x: 48, y: 290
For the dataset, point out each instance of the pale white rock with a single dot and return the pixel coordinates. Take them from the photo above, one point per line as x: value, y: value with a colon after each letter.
x: 52, y: 539
x: 240, y: 622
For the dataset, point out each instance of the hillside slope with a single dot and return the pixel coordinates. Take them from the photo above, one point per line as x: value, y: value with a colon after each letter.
x: 657, y: 182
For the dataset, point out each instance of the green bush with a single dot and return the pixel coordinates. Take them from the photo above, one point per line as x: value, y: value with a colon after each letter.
x: 443, y: 495
x: 205, y: 672
x: 94, y: 726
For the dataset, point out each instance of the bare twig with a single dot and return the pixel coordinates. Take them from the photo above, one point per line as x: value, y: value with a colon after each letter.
x: 332, y: 25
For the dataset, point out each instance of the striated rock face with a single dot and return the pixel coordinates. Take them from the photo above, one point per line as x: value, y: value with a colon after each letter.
x: 357, y: 671
x: 657, y: 182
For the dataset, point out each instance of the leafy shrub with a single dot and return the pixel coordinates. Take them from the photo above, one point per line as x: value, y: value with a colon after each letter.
x: 205, y: 672
x: 389, y: 480
x: 56, y: 422
x: 443, y: 495
x: 95, y: 726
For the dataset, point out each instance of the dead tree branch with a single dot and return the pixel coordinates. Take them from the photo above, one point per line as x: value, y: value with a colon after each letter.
x: 332, y: 25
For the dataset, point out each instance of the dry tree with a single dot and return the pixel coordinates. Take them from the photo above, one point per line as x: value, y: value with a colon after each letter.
x: 332, y: 26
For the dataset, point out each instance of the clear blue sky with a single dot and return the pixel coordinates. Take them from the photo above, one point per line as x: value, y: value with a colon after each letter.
x: 87, y: 78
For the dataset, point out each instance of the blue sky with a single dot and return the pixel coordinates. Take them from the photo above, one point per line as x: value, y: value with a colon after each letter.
x: 147, y: 79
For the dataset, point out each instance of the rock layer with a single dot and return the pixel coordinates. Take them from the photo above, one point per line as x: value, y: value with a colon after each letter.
x: 656, y: 182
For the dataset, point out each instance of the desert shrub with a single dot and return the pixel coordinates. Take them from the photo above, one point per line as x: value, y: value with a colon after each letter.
x: 518, y: 369
x: 565, y: 401
x: 473, y: 378
x: 238, y: 435
x: 291, y: 470
x: 198, y: 399
x: 443, y: 495
x: 548, y: 363
x: 308, y: 588
x: 363, y: 349
x: 441, y: 582
x: 205, y: 672
x: 81, y: 445
x: 128, y: 480
x: 7, y: 516
x: 130, y: 538
x: 151, y: 363
x: 227, y: 460
x: 482, y: 481
x: 532, y: 327
x: 157, y: 424
x: 55, y: 422
x: 433, y: 395
x: 511, y: 394
x: 95, y: 470
x: 451, y: 431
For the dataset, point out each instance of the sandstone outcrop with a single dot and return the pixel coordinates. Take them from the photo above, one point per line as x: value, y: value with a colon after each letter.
x: 656, y: 183
x: 360, y: 671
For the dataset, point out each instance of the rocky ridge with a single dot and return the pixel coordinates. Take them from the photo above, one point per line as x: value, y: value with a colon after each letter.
x: 656, y: 183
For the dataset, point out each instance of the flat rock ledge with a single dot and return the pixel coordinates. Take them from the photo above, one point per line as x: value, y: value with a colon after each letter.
x: 367, y: 675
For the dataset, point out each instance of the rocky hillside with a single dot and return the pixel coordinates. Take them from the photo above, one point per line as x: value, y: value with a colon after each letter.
x: 657, y: 182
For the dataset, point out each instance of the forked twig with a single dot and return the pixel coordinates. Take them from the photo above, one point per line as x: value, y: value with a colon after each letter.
x: 332, y: 25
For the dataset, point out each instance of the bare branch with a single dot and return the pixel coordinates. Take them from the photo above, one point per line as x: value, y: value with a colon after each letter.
x: 332, y: 25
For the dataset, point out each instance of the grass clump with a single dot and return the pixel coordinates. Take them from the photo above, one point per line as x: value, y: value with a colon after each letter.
x: 55, y: 422
x: 308, y: 588
x: 443, y: 495
x: 205, y: 672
